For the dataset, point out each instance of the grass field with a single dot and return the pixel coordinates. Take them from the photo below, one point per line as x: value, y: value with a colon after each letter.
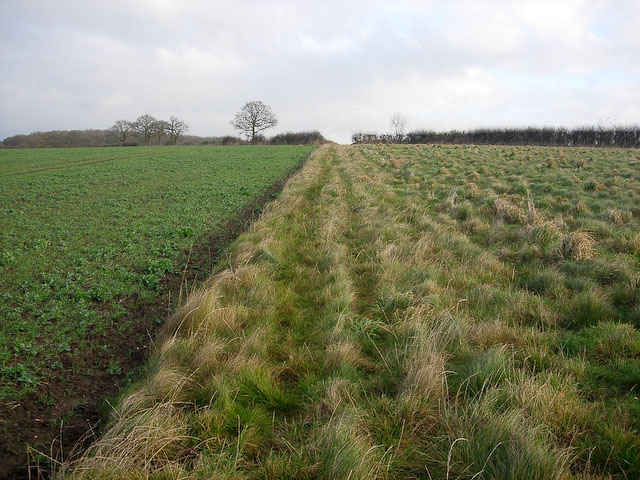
x: 87, y: 236
x: 453, y: 312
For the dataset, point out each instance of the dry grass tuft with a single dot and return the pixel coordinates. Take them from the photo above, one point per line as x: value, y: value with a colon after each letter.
x: 594, y: 185
x: 338, y: 393
x: 580, y: 163
x: 341, y: 354
x: 579, y: 245
x: 426, y: 368
x: 212, y: 355
x: 526, y: 309
x: 496, y: 332
x: 168, y: 384
x: 365, y: 178
x: 426, y: 371
x: 472, y: 189
x: 618, y: 217
x: 556, y: 402
x: 615, y: 216
x: 449, y: 203
x: 153, y: 440
x: 635, y: 243
x: 506, y: 211
x: 397, y: 162
x: 390, y: 253
x: 614, y: 181
x: 345, y: 451
x: 474, y: 226
x: 580, y: 207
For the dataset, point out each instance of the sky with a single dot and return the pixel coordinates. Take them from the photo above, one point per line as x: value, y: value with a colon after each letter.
x: 335, y: 66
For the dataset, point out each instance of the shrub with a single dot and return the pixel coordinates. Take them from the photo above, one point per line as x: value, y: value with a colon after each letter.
x: 297, y: 138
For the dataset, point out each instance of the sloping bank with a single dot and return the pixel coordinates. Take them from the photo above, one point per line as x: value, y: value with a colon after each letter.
x: 318, y: 349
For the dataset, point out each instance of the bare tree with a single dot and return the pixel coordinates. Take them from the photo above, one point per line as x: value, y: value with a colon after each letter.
x: 121, y: 129
x: 145, y: 127
x: 175, y: 128
x: 254, y: 117
x: 398, y: 123
x: 160, y: 129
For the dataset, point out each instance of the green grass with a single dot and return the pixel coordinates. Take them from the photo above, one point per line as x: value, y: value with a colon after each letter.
x: 455, y: 312
x: 87, y: 235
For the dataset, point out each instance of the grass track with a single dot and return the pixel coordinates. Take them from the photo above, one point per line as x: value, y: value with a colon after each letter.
x: 406, y: 312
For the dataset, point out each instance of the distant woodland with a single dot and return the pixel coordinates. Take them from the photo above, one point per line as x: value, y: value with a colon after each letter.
x: 107, y: 138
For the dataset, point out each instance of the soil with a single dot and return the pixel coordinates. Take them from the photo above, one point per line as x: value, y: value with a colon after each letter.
x: 72, y: 422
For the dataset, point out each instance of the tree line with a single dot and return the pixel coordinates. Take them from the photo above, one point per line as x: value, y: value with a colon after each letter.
x: 252, y: 119
x: 106, y: 138
x: 62, y: 139
x: 620, y: 136
x: 147, y: 127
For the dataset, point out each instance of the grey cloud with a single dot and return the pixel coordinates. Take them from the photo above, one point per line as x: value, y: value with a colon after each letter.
x: 336, y: 66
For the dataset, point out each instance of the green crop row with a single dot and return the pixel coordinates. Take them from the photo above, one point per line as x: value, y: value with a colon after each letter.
x: 87, y: 233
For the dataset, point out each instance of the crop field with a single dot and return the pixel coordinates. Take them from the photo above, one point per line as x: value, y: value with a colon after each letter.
x: 86, y: 238
x: 431, y: 312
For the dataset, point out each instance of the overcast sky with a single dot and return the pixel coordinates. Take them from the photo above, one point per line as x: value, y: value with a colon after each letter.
x: 335, y: 66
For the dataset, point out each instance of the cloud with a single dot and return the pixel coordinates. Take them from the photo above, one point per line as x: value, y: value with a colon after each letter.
x: 336, y: 66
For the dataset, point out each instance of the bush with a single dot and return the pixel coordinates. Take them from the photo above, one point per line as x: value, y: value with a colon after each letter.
x: 231, y: 140
x: 297, y: 138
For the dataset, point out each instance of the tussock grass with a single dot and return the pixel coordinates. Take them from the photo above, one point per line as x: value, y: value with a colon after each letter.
x: 385, y: 318
x: 507, y: 211
x: 545, y: 233
x: 151, y: 440
x: 579, y: 245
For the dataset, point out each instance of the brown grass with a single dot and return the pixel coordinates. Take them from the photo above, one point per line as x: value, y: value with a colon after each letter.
x: 579, y: 245
x: 507, y: 211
